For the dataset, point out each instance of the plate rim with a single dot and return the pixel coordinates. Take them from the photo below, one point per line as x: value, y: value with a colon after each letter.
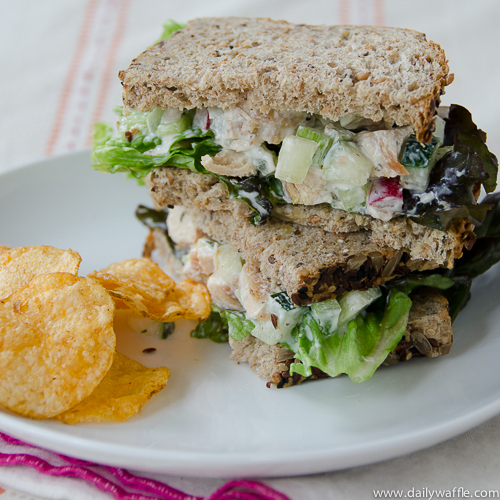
x: 210, y: 464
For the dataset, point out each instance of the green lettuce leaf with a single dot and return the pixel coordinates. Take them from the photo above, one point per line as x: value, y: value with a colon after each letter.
x: 186, y: 150
x: 360, y: 350
x: 169, y: 27
x: 239, y: 325
x: 214, y: 328
x: 411, y: 281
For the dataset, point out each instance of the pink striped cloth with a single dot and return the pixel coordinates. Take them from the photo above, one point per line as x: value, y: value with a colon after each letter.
x: 122, y: 485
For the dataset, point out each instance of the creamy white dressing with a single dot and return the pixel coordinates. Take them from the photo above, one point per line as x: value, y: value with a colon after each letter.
x: 239, y: 129
x: 262, y: 159
x: 252, y: 197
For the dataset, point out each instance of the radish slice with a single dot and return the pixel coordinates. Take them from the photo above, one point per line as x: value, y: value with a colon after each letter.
x: 385, y: 198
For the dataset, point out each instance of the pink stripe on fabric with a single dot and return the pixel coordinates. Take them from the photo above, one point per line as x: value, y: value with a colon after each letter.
x: 344, y: 12
x: 108, y: 74
x: 71, y: 471
x: 70, y: 76
x: 233, y: 490
x: 379, y: 10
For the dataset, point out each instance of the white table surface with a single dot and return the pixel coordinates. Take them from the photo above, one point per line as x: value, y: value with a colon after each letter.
x: 59, y: 63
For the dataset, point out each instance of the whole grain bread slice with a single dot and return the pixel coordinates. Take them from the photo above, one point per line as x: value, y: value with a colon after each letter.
x: 390, y: 74
x: 428, y: 334
x: 170, y: 186
x: 310, y: 264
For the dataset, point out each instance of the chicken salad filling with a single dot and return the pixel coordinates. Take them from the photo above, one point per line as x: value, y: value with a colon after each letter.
x: 297, y: 158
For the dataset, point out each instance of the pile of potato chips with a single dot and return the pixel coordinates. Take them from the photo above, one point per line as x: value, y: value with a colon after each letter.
x: 57, y: 344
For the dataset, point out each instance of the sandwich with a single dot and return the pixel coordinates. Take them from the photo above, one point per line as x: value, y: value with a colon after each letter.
x: 307, y: 176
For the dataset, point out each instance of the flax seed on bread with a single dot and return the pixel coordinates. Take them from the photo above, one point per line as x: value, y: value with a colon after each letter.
x: 173, y: 186
x: 428, y: 334
x: 388, y: 74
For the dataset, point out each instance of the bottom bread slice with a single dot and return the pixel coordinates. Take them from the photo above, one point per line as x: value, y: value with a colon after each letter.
x: 428, y: 334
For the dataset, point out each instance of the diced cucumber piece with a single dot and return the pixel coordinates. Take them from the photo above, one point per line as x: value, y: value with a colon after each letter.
x: 154, y: 119
x: 418, y: 160
x: 263, y: 159
x: 346, y: 164
x: 339, y: 133
x: 295, y: 158
x: 324, y: 143
x: 352, y: 199
x: 174, y: 121
x: 227, y: 262
x: 281, y: 322
x: 439, y: 127
x: 350, y: 119
x: 416, y: 180
x: 327, y: 314
x: 352, y: 303
x: 280, y: 325
x: 419, y: 155
x: 126, y: 319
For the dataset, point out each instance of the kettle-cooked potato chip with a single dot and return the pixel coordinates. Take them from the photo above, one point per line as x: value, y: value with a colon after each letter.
x: 144, y: 287
x: 120, y: 395
x: 56, y: 343
x: 193, y: 297
x: 20, y: 265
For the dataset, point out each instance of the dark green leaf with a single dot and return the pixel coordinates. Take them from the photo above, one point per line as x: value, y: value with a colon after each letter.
x: 214, y: 328
x: 152, y: 218
x: 411, y: 281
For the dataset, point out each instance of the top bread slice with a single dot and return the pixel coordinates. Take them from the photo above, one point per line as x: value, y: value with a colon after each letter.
x: 390, y: 74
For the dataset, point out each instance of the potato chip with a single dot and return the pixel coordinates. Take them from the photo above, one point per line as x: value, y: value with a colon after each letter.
x: 56, y: 344
x: 145, y: 288
x: 20, y: 265
x: 193, y: 297
x: 120, y: 395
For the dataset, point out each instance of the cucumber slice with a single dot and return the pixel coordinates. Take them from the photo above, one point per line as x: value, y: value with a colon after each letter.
x: 327, y: 314
x: 295, y: 158
x: 352, y: 303
x: 346, y: 164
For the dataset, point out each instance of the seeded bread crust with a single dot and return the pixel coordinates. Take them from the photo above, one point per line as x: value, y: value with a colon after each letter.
x: 390, y: 74
x: 174, y: 186
x: 309, y: 263
x: 428, y: 334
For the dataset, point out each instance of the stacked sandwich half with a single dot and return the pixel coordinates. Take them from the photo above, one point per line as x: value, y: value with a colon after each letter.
x: 306, y: 175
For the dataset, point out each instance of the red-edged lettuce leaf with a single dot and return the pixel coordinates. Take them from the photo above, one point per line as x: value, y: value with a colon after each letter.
x: 457, y: 176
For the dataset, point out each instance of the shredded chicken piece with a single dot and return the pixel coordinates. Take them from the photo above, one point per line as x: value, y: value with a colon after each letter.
x: 229, y: 163
x: 383, y: 147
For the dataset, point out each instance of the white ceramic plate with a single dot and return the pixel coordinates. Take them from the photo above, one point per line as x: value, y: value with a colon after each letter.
x: 216, y: 418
